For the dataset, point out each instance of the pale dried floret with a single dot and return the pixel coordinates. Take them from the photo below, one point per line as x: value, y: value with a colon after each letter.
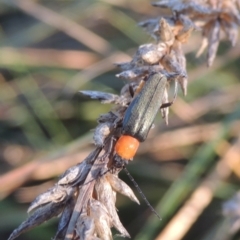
x: 101, y: 96
x: 166, y: 56
x: 186, y: 27
x: 55, y: 194
x: 179, y: 55
x: 142, y: 72
x: 101, y: 132
x: 64, y: 220
x: 106, y: 196
x: 102, y: 220
x: 121, y: 187
x: 104, y: 97
x: 149, y: 54
x: 75, y: 174
x: 85, y: 227
x: 166, y: 34
x: 228, y: 11
x: 150, y: 27
x: 166, y: 30
x: 175, y: 61
x: 213, y: 34
x: 231, y: 31
x: 40, y: 216
x: 134, y: 73
x: 185, y: 6
x: 171, y: 63
x: 211, y: 16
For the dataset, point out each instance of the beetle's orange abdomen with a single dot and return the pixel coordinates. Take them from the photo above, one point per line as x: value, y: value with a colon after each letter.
x: 126, y: 147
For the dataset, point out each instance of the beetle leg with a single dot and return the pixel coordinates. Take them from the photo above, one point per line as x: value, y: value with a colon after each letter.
x: 139, y: 88
x: 131, y: 90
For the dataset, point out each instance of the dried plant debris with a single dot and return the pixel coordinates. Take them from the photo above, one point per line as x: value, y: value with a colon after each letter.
x: 105, y: 97
x: 40, y: 216
x: 210, y: 16
x: 166, y: 56
x: 85, y: 195
x: 64, y: 219
x: 98, y: 212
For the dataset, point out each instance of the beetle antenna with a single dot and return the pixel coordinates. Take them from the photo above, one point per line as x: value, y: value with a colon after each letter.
x: 141, y: 192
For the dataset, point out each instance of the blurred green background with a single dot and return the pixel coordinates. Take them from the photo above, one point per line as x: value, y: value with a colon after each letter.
x: 49, y: 50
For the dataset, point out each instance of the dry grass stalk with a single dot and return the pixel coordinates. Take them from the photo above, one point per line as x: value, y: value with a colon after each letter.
x: 85, y: 194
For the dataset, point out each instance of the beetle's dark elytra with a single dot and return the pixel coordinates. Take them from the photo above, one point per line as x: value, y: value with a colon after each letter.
x: 142, y: 110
